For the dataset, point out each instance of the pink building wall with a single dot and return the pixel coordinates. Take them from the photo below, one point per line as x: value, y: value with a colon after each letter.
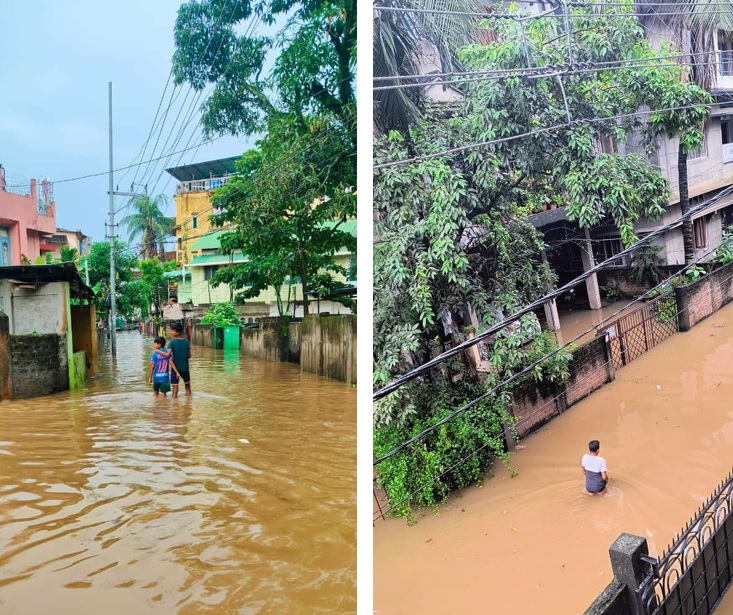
x: 26, y: 227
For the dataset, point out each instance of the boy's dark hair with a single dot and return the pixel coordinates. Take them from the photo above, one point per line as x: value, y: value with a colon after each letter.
x: 593, y: 446
x: 160, y: 341
x: 177, y: 326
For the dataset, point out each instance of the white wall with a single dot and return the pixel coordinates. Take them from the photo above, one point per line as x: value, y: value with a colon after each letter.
x: 41, y: 310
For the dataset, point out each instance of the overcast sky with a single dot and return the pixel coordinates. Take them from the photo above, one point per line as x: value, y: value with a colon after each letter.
x: 57, y: 58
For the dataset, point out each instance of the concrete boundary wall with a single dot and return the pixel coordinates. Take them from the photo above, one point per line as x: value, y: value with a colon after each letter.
x: 322, y: 345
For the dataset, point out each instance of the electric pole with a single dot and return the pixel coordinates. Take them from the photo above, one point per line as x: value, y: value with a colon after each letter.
x: 112, y: 306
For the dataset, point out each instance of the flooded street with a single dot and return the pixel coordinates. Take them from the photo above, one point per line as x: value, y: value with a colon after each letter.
x: 536, y: 542
x: 239, y: 500
x: 575, y: 322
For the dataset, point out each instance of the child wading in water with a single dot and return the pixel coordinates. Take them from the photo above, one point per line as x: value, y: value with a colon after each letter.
x: 160, y: 366
x: 179, y: 350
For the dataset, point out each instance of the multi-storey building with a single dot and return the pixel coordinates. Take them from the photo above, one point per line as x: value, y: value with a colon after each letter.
x: 196, y: 184
x: 27, y: 219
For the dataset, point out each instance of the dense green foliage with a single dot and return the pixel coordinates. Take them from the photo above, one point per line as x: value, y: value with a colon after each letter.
x: 221, y: 315
x: 288, y: 202
x: 220, y: 42
x: 454, y: 252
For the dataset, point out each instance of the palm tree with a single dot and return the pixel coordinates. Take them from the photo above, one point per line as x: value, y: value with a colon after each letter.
x: 69, y: 254
x: 399, y: 40
x: 693, y: 24
x: 148, y: 222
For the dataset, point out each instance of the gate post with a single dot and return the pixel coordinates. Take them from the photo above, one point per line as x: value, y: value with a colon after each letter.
x: 629, y: 567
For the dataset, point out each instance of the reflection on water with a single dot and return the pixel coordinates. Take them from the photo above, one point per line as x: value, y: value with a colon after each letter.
x: 238, y: 500
x: 536, y: 543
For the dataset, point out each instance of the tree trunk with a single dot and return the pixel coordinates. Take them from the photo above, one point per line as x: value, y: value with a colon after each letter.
x: 685, y: 205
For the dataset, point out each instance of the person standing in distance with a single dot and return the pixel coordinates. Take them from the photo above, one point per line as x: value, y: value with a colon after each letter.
x: 594, y: 469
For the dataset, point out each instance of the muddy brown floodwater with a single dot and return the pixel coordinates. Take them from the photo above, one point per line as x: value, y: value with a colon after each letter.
x: 238, y: 500
x: 536, y: 543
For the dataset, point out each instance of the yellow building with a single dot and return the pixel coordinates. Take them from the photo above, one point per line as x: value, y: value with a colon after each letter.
x: 196, y: 184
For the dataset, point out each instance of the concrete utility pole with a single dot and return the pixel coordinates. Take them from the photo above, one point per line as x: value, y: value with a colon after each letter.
x: 113, y: 306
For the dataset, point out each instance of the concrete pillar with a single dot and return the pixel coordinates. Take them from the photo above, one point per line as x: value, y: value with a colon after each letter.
x: 591, y: 284
x: 628, y: 566
x: 553, y: 320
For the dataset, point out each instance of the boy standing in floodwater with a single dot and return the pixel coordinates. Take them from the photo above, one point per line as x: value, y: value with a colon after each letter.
x: 594, y: 468
x: 179, y: 350
x: 160, y: 366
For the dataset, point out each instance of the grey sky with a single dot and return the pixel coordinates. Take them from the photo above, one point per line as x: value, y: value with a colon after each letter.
x: 57, y: 58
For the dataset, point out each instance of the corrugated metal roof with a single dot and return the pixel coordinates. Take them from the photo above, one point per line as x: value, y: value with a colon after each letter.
x: 178, y: 273
x: 209, y: 241
x: 349, y: 226
x: 43, y: 274
x: 204, y: 170
x: 217, y: 259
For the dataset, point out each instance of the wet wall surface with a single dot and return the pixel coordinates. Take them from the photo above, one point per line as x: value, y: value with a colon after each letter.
x: 240, y: 499
x: 537, y: 543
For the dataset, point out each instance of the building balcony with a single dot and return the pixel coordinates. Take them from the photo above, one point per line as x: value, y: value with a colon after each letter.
x: 202, y: 185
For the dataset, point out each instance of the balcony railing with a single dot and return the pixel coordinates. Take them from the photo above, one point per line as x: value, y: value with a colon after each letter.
x: 203, y: 185
x: 725, y: 63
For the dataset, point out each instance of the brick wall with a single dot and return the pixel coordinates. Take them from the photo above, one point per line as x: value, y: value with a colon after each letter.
x: 39, y: 364
x: 696, y: 301
x: 533, y: 406
x: 590, y: 368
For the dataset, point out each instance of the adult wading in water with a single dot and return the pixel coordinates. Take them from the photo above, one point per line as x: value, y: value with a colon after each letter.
x: 594, y: 468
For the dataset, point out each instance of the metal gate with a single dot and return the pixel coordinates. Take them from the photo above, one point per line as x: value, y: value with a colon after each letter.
x: 632, y: 335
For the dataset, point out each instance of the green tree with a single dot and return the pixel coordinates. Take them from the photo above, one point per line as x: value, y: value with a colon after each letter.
x: 313, y: 71
x: 125, y: 265
x: 399, y: 40
x: 148, y: 222
x: 152, y: 277
x: 288, y: 201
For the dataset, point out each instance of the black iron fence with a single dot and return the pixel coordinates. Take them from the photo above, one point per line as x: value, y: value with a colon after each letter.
x: 695, y: 570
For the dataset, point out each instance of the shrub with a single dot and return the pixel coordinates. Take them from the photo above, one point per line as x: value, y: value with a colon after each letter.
x: 221, y: 315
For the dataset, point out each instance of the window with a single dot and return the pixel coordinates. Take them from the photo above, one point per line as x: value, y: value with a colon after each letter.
x: 700, y: 234
x: 725, y: 52
x: 209, y: 271
x: 608, y: 247
x: 352, y: 270
x: 725, y: 131
x: 195, y: 221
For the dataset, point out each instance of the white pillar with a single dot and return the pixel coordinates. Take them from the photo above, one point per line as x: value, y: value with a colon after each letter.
x: 591, y: 284
x: 553, y: 320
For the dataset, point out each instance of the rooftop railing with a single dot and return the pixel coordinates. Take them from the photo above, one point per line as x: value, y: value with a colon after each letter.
x: 203, y: 185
